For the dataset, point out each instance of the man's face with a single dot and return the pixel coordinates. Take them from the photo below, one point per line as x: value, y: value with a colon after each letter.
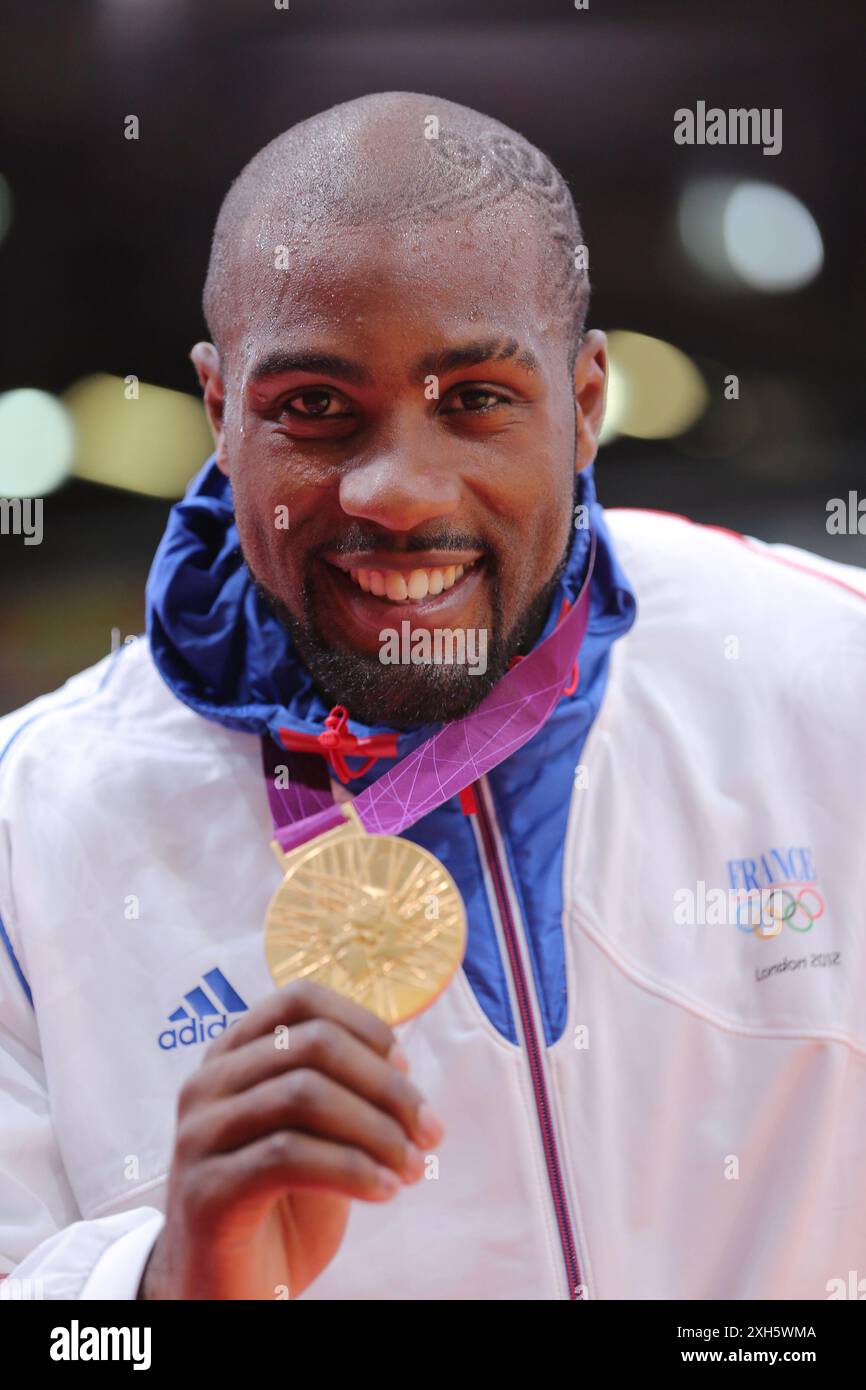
x: 397, y: 419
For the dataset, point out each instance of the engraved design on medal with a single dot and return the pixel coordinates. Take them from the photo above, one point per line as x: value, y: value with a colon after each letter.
x: 374, y: 917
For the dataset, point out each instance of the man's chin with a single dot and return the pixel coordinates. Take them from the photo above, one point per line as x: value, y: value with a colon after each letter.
x: 396, y: 696
x: 408, y: 693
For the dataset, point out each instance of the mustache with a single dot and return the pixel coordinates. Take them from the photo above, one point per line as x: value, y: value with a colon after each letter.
x: 357, y: 537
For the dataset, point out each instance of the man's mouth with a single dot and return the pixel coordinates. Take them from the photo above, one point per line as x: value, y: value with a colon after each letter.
x: 399, y: 587
x: 400, y: 578
x: 440, y: 590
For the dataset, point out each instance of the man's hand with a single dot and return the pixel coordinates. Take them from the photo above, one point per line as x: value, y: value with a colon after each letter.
x: 273, y: 1141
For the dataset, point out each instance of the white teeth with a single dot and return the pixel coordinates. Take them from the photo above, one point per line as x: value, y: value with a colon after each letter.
x: 419, y: 584
x: 395, y: 585
x: 398, y: 586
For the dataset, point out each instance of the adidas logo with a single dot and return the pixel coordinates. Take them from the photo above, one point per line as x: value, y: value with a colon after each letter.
x: 206, y: 1018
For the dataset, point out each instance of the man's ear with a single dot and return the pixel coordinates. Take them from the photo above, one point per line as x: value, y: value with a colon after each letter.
x: 205, y: 359
x: 590, y: 388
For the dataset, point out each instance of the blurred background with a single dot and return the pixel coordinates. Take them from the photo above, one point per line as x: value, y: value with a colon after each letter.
x: 707, y: 262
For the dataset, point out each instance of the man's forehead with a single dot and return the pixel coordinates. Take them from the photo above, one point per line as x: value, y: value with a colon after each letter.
x: 479, y: 247
x: 445, y: 287
x: 366, y: 198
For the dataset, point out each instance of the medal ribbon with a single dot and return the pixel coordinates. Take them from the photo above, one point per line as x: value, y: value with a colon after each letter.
x: 459, y: 754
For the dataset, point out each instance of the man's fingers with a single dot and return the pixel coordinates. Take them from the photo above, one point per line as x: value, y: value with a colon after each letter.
x: 296, y: 1003
x: 288, y: 1161
x: 307, y: 1101
x: 322, y: 1046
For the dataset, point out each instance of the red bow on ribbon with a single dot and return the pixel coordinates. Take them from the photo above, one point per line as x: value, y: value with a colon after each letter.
x: 335, y: 743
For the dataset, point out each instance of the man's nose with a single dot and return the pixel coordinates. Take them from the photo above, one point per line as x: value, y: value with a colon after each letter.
x: 402, y: 484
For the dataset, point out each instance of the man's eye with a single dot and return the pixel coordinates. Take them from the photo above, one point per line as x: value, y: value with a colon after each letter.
x: 315, y: 402
x: 472, y: 398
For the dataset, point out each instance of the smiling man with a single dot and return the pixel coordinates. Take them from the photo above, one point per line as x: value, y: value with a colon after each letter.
x: 413, y: 310
x: 614, y: 1097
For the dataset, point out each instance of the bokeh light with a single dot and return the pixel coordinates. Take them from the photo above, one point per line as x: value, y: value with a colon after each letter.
x: 655, y: 391
x: 749, y: 234
x: 37, y: 443
x: 615, y: 402
x: 772, y: 240
x: 142, y: 438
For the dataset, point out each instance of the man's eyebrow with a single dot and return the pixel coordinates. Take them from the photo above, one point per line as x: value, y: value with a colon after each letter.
x: 437, y: 363
x: 280, y: 363
x: 473, y: 354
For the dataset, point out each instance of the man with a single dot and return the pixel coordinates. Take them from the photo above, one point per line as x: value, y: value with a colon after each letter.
x: 637, y: 1086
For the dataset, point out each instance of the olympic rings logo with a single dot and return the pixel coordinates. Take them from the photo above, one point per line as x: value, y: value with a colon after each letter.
x: 781, y: 907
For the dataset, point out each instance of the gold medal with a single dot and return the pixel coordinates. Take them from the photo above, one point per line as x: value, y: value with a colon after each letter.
x: 375, y: 917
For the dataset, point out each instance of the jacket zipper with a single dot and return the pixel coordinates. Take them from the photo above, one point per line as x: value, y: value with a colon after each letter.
x: 487, y: 826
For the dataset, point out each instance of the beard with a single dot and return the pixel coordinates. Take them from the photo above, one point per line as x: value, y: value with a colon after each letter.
x: 412, y: 695
x: 408, y: 696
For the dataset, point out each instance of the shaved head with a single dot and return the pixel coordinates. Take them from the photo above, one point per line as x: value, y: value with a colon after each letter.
x: 402, y: 392
x: 402, y: 161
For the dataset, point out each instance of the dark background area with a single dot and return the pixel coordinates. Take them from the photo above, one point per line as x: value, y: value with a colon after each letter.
x: 101, y: 270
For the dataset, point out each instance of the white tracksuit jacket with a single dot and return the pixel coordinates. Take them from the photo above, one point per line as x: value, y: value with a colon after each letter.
x: 708, y: 1092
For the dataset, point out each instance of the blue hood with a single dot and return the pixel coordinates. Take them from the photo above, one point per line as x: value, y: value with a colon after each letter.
x: 224, y: 653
